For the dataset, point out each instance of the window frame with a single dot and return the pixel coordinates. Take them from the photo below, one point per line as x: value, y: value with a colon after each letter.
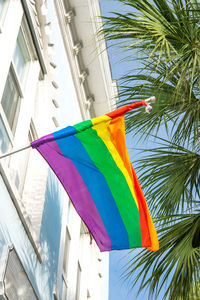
x: 78, y: 281
x: 5, y: 163
x: 64, y: 286
x: 15, y: 118
x: 6, y: 125
x: 19, y: 85
x: 3, y: 14
x: 25, y: 36
x: 4, y: 260
x: 67, y: 246
x: 65, y: 262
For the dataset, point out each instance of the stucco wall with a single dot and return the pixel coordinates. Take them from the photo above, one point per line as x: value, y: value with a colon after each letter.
x: 42, y: 276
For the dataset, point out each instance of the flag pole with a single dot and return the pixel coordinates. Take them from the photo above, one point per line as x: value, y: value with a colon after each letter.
x: 15, y: 151
x: 148, y: 110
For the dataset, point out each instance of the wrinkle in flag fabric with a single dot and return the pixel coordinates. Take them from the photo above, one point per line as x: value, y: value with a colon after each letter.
x: 91, y: 161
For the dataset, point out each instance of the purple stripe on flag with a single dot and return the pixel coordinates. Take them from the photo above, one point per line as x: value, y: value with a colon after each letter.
x: 77, y: 191
x: 42, y: 140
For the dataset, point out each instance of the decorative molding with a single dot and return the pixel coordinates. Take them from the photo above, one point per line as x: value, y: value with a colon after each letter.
x: 69, y: 41
x: 50, y: 48
x: 48, y: 28
x: 55, y: 85
x: 55, y: 121
x: 53, y: 64
x: 55, y: 103
x: 69, y: 16
x: 56, y: 293
x: 77, y: 48
x: 84, y: 74
x: 90, y: 100
x: 44, y: 8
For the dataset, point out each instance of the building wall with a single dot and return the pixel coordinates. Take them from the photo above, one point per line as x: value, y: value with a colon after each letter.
x: 28, y: 204
x: 59, y: 88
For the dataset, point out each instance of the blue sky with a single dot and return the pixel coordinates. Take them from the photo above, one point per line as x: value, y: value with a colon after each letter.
x: 119, y: 288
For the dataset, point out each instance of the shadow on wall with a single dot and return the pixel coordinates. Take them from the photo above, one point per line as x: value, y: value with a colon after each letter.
x: 50, y: 232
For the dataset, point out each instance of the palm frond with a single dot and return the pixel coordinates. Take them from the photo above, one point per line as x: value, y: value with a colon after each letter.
x: 175, y: 266
x: 166, y: 39
x: 172, y: 103
x: 170, y: 177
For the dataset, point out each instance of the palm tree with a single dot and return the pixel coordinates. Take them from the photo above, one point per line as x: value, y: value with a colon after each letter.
x: 164, y: 37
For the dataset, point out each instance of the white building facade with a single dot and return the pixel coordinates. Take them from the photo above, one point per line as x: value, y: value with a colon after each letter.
x: 54, y: 72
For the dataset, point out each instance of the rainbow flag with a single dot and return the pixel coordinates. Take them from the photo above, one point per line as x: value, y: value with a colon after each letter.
x: 91, y: 161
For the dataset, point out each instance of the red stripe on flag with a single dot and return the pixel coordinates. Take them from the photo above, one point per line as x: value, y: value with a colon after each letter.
x: 122, y: 110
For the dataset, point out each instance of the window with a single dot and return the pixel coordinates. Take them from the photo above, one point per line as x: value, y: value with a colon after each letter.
x: 15, y: 82
x: 78, y: 282
x: 65, y: 264
x: 88, y: 294
x: 14, y: 279
x: 69, y: 213
x: 64, y: 288
x: 5, y: 143
x: 11, y: 100
x: 21, y: 57
x: 3, y: 9
x: 83, y: 228
x: 2, y: 2
x: 66, y: 252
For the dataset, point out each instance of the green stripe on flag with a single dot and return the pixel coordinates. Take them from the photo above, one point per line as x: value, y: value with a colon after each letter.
x: 116, y: 181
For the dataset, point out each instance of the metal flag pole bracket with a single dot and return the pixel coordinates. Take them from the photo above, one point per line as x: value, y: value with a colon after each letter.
x: 150, y: 100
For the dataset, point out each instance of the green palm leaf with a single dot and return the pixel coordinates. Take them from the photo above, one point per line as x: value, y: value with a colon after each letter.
x: 176, y: 265
x: 164, y: 37
x: 170, y: 177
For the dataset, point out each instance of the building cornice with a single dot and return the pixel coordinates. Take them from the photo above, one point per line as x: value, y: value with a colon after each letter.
x: 79, y: 23
x: 65, y: 19
x: 109, y: 84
